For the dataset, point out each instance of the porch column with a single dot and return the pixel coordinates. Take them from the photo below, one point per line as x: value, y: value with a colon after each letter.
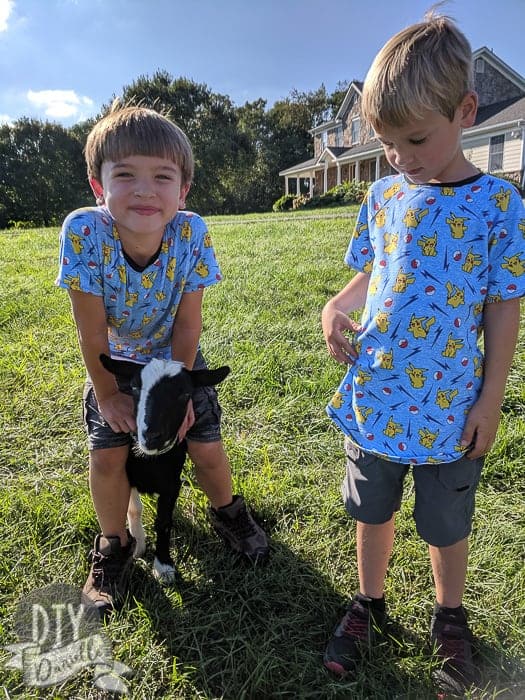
x: 378, y: 167
x: 338, y: 173
x: 286, y: 190
x: 325, y: 183
x: 357, y: 171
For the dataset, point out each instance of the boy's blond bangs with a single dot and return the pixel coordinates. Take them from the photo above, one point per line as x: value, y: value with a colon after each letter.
x: 426, y: 67
x: 137, y: 131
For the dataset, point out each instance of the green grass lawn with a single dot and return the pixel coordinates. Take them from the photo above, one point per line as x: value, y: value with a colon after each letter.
x: 226, y: 630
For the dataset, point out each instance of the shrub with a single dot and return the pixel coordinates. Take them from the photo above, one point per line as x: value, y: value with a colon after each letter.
x: 284, y: 203
x: 345, y: 193
x: 21, y: 224
x: 300, y: 201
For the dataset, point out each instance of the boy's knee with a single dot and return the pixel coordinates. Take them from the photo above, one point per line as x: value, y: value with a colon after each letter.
x: 108, y: 462
x: 206, y: 455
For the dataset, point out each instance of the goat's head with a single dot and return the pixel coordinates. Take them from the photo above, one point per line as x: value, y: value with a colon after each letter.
x: 161, y: 390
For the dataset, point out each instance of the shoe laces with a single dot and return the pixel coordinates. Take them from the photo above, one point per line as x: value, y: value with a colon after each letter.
x: 356, y: 623
x: 243, y: 525
x: 106, y: 569
x: 452, y: 644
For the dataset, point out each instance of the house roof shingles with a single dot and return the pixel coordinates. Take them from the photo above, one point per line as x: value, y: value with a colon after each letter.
x: 500, y: 113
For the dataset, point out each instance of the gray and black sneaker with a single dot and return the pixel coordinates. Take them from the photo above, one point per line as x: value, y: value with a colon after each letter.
x: 239, y: 530
x: 106, y: 585
x: 452, y: 642
x: 360, y: 628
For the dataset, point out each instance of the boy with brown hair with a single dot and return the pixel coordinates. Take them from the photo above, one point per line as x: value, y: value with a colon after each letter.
x: 439, y: 261
x: 136, y: 267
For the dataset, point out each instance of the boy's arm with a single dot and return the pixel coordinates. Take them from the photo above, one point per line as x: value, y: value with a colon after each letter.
x: 501, y: 324
x: 90, y: 317
x: 187, y: 328
x: 335, y: 319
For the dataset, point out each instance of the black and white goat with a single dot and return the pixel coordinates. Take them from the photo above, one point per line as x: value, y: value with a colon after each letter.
x: 161, y: 390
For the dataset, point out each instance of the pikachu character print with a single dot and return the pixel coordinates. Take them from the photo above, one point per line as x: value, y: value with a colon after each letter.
x: 436, y: 255
x: 140, y: 302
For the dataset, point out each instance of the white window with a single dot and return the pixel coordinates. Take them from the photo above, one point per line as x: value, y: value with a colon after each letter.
x: 479, y: 65
x: 356, y: 128
x: 324, y: 139
x: 339, y: 136
x: 497, y: 144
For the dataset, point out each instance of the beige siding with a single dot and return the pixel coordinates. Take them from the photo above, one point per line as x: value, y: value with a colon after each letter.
x: 477, y: 152
x: 511, y: 154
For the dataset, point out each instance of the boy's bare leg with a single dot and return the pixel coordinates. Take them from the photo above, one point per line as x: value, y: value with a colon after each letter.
x: 449, y: 566
x: 110, y: 490
x: 374, y: 547
x: 228, y: 514
x: 212, y: 470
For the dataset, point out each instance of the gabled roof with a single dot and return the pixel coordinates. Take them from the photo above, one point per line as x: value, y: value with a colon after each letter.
x: 333, y: 151
x: 498, y: 64
x: 356, y: 86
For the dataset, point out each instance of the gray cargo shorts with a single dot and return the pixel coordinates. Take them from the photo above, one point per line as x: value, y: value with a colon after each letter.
x: 207, y: 426
x: 445, y: 493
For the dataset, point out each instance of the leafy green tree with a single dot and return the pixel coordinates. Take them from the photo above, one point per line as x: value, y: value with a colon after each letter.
x: 42, y: 176
x: 210, y: 122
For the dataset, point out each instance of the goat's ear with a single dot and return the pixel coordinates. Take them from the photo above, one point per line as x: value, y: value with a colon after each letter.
x: 121, y: 368
x: 208, y: 377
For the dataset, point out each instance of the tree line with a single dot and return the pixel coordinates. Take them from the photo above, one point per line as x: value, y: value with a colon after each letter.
x: 238, y: 151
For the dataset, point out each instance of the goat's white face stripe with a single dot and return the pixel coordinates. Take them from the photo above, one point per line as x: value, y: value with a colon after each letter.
x: 151, y: 374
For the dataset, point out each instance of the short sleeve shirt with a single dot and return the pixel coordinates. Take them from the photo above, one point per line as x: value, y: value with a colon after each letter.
x: 141, y: 304
x: 436, y: 256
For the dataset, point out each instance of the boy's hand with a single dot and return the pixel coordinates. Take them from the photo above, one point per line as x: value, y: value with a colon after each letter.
x: 118, y: 410
x: 481, y: 428
x: 335, y: 323
x: 188, y: 421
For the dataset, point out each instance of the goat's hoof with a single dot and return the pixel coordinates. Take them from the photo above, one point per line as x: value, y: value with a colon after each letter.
x: 164, y: 573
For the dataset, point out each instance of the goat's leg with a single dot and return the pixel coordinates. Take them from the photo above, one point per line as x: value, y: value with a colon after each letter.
x: 163, y: 566
x: 136, y: 527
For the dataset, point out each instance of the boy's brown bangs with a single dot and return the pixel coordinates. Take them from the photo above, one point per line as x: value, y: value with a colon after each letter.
x: 138, y: 139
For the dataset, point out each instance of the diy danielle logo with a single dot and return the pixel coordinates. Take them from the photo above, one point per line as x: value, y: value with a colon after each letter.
x: 60, y: 634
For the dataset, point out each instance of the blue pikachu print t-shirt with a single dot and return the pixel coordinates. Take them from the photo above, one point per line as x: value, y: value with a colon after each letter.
x: 436, y: 255
x: 141, y: 304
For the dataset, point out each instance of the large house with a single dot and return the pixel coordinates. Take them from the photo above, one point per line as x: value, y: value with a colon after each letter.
x: 346, y: 149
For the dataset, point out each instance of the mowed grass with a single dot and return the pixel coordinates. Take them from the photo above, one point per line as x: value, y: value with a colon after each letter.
x: 226, y: 630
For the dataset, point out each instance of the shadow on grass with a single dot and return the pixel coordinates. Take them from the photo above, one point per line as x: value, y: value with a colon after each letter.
x: 238, y: 631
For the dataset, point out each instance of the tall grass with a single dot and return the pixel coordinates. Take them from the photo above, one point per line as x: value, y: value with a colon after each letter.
x: 225, y: 630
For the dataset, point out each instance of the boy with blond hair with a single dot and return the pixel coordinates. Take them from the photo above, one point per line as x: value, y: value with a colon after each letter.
x: 439, y: 261
x: 136, y: 267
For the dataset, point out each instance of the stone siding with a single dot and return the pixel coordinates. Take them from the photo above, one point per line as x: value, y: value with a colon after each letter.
x: 492, y: 86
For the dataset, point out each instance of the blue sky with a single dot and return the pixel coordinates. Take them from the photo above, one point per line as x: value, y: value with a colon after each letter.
x: 62, y: 59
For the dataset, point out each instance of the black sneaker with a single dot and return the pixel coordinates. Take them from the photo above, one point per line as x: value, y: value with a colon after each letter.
x: 452, y: 642
x: 240, y: 531
x: 106, y: 585
x: 360, y: 628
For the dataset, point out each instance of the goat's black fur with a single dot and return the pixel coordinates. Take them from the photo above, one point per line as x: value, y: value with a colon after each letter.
x: 159, y: 472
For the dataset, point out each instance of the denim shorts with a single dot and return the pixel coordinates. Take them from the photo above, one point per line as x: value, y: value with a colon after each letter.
x: 444, y: 493
x: 207, y: 426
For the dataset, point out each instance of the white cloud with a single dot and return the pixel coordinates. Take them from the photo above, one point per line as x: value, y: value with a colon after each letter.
x: 59, y: 104
x: 6, y: 8
x: 6, y: 119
